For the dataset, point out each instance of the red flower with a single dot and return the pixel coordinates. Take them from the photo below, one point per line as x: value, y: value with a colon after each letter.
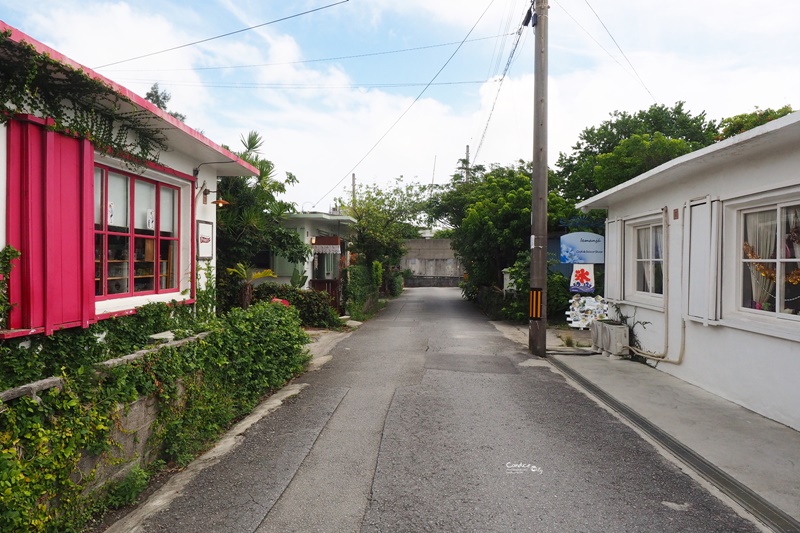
x: 280, y: 301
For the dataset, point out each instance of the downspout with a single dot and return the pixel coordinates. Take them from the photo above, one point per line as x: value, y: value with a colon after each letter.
x: 662, y: 357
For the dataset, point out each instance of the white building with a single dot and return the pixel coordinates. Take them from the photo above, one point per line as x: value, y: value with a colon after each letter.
x: 703, y: 253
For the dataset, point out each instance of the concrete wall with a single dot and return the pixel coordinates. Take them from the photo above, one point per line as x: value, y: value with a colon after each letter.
x: 432, y: 262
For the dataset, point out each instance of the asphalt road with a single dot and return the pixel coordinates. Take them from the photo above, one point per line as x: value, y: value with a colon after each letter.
x: 428, y: 419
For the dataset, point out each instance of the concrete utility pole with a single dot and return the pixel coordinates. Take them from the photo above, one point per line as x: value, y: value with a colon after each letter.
x: 537, y: 332
x: 466, y: 166
x: 354, y: 190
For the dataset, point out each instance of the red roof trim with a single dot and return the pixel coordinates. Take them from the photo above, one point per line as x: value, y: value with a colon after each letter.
x: 19, y: 37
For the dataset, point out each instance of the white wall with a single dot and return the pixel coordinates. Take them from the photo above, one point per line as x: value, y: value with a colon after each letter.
x: 749, y: 359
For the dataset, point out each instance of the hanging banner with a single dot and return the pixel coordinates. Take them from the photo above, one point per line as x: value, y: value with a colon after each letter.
x: 582, y: 247
x: 582, y: 279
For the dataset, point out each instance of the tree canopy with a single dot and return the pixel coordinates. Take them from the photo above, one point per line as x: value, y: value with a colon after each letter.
x: 626, y: 145
x: 252, y: 221
x: 490, y: 217
x: 737, y: 124
x: 384, y: 220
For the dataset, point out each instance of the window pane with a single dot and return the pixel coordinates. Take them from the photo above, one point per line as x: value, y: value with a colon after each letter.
x: 643, y: 243
x: 144, y: 265
x: 118, y: 265
x: 658, y: 274
x: 658, y: 242
x: 791, y: 232
x: 144, y: 220
x: 760, y: 235
x: 167, y: 271
x: 643, y: 276
x: 99, y: 269
x: 98, y: 199
x: 169, y: 212
x: 117, y: 209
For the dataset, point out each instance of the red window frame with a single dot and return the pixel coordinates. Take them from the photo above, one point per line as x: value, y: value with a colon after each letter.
x: 126, y: 265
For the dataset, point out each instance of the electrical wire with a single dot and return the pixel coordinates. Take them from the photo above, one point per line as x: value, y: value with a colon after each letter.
x: 621, y: 52
x: 319, y: 60
x: 295, y: 86
x: 403, y: 114
x: 221, y: 36
x: 500, y: 86
x: 592, y: 37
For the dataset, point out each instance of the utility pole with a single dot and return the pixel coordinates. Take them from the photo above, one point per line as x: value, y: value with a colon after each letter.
x: 537, y: 332
x: 354, y: 191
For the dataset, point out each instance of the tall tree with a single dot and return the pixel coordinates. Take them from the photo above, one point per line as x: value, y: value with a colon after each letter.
x: 161, y: 99
x: 385, y: 218
x: 251, y: 223
x: 576, y: 177
x: 490, y: 217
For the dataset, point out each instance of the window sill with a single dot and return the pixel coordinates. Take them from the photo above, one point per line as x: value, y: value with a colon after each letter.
x: 653, y: 304
x: 768, y: 326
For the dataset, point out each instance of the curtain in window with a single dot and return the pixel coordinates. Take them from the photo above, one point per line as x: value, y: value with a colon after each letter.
x: 761, y: 236
x: 643, y: 254
x: 793, y: 231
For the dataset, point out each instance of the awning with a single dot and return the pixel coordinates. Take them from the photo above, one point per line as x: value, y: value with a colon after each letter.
x: 326, y: 248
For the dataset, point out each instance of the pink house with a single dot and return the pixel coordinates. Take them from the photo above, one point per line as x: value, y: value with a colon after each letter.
x: 99, y: 235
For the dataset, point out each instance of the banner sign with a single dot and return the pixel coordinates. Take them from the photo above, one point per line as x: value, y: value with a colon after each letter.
x: 582, y: 279
x: 583, y: 248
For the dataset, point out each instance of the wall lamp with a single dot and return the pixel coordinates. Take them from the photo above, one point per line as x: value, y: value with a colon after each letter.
x: 219, y: 202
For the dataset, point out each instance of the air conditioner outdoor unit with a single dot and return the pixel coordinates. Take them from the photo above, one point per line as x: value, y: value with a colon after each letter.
x: 613, y: 338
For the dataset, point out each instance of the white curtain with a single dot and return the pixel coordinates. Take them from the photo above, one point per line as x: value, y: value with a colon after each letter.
x: 761, y: 234
x: 643, y: 245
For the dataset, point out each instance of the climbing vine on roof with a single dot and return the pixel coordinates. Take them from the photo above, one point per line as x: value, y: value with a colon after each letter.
x: 80, y: 105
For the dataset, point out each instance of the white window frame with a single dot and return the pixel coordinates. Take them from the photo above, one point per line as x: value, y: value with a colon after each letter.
x: 734, y: 313
x: 630, y: 259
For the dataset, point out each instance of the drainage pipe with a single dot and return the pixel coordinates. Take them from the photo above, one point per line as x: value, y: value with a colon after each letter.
x: 663, y: 356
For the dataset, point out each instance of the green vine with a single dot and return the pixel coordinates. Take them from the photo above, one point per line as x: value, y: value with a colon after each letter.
x: 7, y: 255
x: 80, y: 105
x: 54, y: 446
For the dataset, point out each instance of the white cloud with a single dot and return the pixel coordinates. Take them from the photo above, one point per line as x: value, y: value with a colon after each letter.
x: 719, y: 56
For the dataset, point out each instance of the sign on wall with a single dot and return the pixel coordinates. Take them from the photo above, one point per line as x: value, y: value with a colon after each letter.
x: 205, y: 240
x: 582, y: 248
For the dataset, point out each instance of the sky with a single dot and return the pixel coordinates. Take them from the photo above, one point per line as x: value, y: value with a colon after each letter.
x: 325, y: 114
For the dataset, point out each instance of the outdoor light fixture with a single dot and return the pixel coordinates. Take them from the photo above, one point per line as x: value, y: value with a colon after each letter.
x: 219, y: 202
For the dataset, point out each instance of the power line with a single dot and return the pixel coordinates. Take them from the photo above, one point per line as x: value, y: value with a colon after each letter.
x: 497, y: 96
x: 293, y: 86
x: 621, y: 52
x: 403, y: 114
x: 319, y: 60
x: 223, y: 35
x: 592, y: 37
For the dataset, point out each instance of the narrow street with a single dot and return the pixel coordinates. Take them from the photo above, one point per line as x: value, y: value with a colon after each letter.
x: 428, y: 419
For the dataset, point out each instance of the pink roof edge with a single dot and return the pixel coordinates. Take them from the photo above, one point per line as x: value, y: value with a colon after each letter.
x: 19, y: 37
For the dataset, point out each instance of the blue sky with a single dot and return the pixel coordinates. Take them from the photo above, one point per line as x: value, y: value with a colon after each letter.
x: 320, y: 118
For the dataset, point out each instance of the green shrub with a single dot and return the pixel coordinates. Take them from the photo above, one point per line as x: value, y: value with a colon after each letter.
x: 360, y: 291
x: 377, y: 273
x: 315, y: 307
x: 126, y: 492
x: 395, y: 284
x: 202, y: 387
